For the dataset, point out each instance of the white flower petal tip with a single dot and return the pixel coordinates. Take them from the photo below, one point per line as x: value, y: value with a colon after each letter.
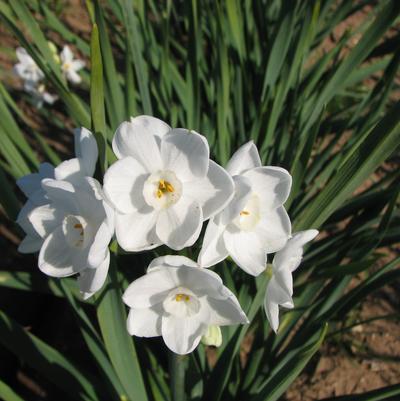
x: 84, y: 164
x: 213, y: 249
x: 280, y: 287
x: 163, y: 199
x: 245, y: 158
x: 178, y: 300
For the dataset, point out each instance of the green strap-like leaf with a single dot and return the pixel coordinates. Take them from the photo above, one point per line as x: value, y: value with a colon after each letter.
x: 45, y: 359
x: 381, y: 394
x: 7, y: 393
x: 112, y: 320
x: 363, y: 159
x: 97, y: 98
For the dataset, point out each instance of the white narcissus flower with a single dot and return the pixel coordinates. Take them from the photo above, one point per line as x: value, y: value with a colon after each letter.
x: 179, y: 300
x: 71, y: 66
x: 280, y: 286
x: 164, y: 185
x: 76, y: 227
x: 255, y: 222
x: 39, y: 93
x: 70, y: 170
x: 26, y: 68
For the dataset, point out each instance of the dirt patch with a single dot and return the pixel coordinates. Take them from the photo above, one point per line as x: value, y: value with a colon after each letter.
x: 364, y: 358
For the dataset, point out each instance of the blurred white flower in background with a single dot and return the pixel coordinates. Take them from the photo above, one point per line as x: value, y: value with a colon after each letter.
x: 254, y: 223
x: 70, y: 66
x: 179, y: 300
x: 39, y: 93
x: 280, y: 286
x: 26, y: 68
x: 164, y: 185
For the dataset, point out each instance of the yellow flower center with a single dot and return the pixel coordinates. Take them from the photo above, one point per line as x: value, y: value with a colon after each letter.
x: 163, y: 188
x: 66, y: 66
x: 182, y: 297
x: 244, y: 213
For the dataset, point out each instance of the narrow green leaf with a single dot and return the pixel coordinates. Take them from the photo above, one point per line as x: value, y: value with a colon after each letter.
x: 48, y: 361
x: 112, y: 320
x: 7, y: 393
x: 381, y: 394
x: 286, y: 371
x: 97, y: 98
x: 360, y: 163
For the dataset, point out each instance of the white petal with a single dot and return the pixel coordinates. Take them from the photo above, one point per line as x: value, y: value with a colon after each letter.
x: 245, y: 158
x: 44, y: 219
x: 99, y: 248
x: 171, y: 260
x: 239, y: 200
x: 23, y: 56
x: 182, y: 335
x: 61, y: 193
x: 30, y: 244
x: 227, y: 311
x: 91, y: 280
x: 179, y: 225
x: 58, y: 259
x: 70, y: 170
x: 213, y: 192
x: 74, y: 77
x: 274, y: 296
x: 284, y: 279
x: 66, y: 54
x: 31, y: 183
x: 79, y: 200
x: 272, y: 311
x: 246, y: 250
x: 290, y: 256
x: 23, y: 219
x: 186, y: 153
x: 157, y: 127
x: 86, y: 150
x: 136, y: 231
x: 150, y: 289
x: 123, y: 185
x: 77, y: 64
x: 139, y: 138
x: 271, y: 184
x: 213, y: 249
x: 145, y: 322
x: 49, y: 98
x: 274, y: 230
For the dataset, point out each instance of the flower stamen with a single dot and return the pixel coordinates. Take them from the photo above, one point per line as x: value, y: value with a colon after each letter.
x: 244, y: 213
x: 182, y: 297
x: 164, y: 187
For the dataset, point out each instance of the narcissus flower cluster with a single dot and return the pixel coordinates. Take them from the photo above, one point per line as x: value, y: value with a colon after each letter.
x: 160, y: 191
x: 34, y: 78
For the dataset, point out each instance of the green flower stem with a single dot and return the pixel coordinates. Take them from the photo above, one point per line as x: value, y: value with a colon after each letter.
x: 177, y: 368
